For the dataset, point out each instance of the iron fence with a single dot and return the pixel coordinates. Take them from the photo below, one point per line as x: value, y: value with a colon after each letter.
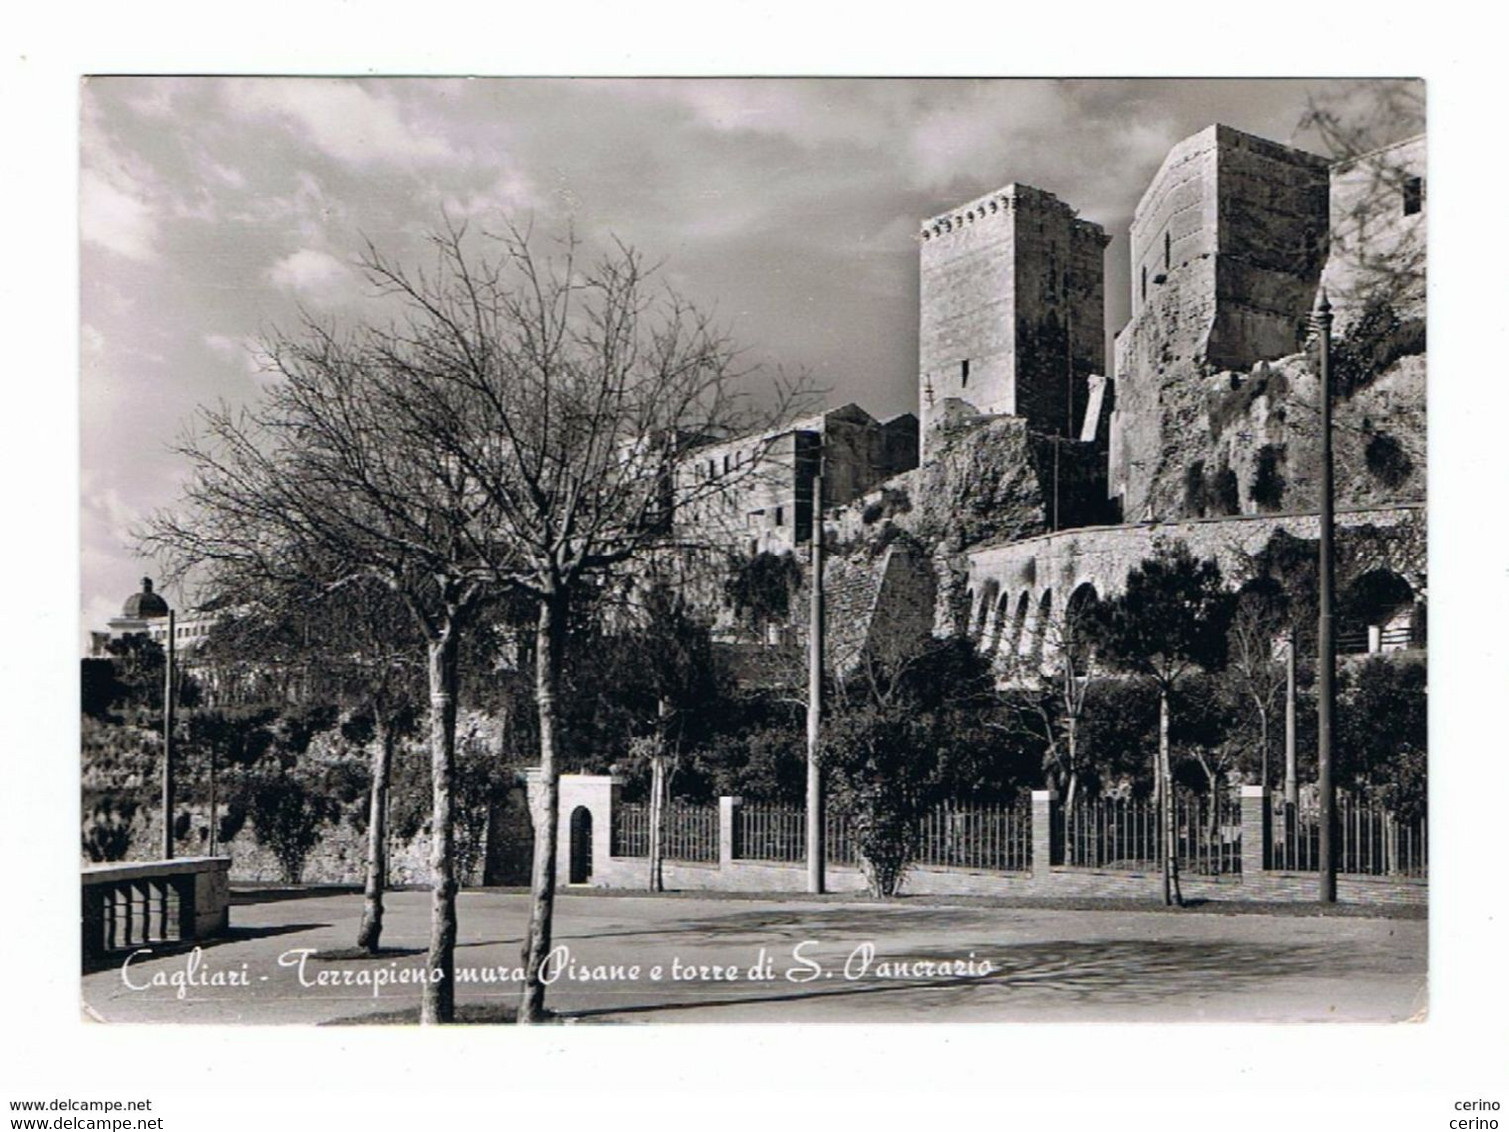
x: 766, y: 832
x: 1369, y: 840
x: 949, y: 836
x: 631, y: 830
x: 1208, y: 829
x: 997, y: 837
x: 1110, y: 833
x: 838, y: 839
x: 690, y: 833
x: 1124, y: 834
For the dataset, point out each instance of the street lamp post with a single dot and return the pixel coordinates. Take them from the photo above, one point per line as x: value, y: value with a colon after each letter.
x: 167, y: 743
x: 815, y: 847
x: 1326, y: 645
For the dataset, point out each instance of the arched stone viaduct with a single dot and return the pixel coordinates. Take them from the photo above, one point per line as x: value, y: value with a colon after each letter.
x: 1017, y: 592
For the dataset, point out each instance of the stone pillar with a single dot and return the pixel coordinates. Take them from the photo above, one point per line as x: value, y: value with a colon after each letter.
x: 1044, y: 806
x: 1256, y: 816
x: 728, y: 817
x: 598, y: 793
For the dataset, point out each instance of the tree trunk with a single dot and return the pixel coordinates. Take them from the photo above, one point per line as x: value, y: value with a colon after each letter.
x: 657, y: 821
x: 1071, y: 738
x: 439, y: 1002
x: 1262, y: 714
x: 369, y: 937
x: 1166, y: 796
x: 1212, y: 781
x: 550, y: 632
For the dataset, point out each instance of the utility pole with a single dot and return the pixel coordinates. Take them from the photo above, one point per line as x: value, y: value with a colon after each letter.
x: 1291, y: 729
x: 1326, y: 658
x: 815, y: 846
x: 167, y: 744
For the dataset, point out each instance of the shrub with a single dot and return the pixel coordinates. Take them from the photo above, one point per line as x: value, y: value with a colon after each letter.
x: 1387, y: 460
x: 107, y: 829
x: 1268, y: 478
x: 1376, y: 341
x: 287, y: 820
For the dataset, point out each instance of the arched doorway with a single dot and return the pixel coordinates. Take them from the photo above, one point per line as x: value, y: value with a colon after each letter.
x: 1378, y: 613
x: 581, y: 846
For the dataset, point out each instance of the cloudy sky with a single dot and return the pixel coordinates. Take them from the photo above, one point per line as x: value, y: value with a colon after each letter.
x: 212, y: 209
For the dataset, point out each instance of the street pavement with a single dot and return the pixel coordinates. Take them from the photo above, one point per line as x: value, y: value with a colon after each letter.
x: 625, y: 958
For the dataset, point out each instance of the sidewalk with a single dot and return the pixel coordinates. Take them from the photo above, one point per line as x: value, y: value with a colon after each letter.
x: 694, y: 958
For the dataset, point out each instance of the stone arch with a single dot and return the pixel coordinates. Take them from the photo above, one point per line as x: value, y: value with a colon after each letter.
x: 1013, y: 647
x: 1079, y: 610
x: 1379, y: 612
x: 985, y: 624
x: 1040, y: 627
x: 1002, y: 622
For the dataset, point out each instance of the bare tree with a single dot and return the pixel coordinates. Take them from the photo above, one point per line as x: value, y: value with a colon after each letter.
x: 1258, y: 620
x: 355, y: 645
x: 572, y: 396
x: 1053, y: 676
x: 339, y: 477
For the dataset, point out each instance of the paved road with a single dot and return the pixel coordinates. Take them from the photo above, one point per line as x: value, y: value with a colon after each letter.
x: 834, y: 960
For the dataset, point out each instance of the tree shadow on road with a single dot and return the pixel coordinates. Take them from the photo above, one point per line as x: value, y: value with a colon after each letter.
x: 1027, y: 977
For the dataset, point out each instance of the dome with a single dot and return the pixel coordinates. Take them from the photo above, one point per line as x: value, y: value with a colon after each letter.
x: 145, y: 604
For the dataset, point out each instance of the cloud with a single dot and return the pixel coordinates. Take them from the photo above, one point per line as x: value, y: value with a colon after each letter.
x: 511, y: 194
x: 312, y: 273
x: 344, y: 119
x: 114, y: 216
x: 91, y: 344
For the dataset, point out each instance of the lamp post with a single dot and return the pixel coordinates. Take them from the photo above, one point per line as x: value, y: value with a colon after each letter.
x: 1291, y: 728
x: 167, y: 743
x: 815, y: 847
x: 1326, y: 645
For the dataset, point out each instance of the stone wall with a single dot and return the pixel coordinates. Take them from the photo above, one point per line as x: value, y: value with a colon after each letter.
x: 1014, y: 590
x: 1272, y: 223
x: 1377, y: 248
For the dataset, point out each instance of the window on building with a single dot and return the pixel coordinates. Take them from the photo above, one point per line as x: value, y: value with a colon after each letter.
x: 1168, y: 251
x: 964, y: 373
x: 1414, y: 195
x: 725, y: 463
x: 780, y: 516
x: 1144, y: 282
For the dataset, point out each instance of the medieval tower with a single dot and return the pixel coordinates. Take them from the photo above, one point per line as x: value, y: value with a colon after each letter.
x: 1228, y: 243
x: 1012, y: 311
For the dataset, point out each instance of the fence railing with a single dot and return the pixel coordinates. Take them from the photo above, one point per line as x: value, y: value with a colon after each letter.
x: 631, y: 830
x: 1110, y: 833
x: 997, y: 837
x: 766, y: 832
x: 1209, y: 833
x: 1369, y: 840
x: 1106, y: 833
x: 949, y: 836
x: 690, y: 833
x: 1125, y: 834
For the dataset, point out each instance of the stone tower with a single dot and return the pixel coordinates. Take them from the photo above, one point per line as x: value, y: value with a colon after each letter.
x: 1012, y: 311
x: 1228, y: 243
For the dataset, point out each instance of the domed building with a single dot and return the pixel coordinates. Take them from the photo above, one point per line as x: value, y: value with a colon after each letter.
x: 145, y: 613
